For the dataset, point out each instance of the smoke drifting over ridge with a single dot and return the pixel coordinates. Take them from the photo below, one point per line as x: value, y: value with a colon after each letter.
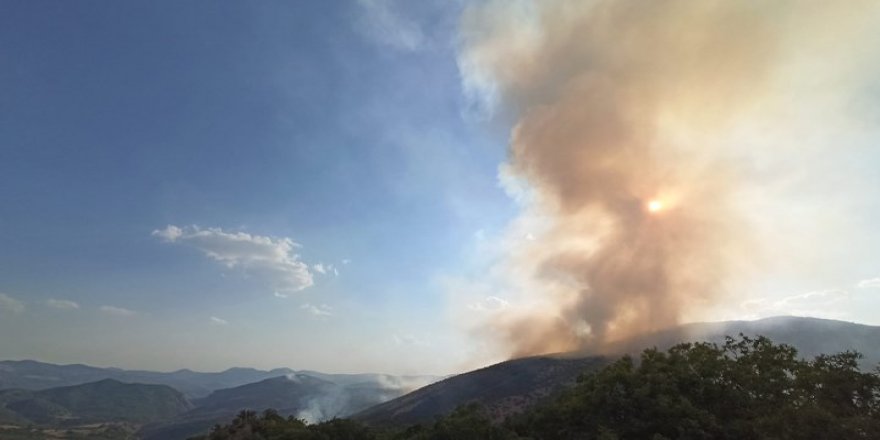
x: 623, y: 118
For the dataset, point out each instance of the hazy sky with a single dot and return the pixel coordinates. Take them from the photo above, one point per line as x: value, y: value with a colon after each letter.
x: 322, y: 185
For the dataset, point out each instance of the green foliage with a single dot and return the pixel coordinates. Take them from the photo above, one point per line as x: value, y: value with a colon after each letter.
x: 96, y: 431
x: 465, y: 423
x: 744, y: 389
x: 249, y: 425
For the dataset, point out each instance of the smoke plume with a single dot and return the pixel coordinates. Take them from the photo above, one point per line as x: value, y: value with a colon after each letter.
x: 625, y: 116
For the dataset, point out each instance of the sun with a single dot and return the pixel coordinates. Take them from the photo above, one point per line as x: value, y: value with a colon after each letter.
x: 654, y: 206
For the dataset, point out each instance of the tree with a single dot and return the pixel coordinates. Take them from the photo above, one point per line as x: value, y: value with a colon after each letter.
x: 745, y: 389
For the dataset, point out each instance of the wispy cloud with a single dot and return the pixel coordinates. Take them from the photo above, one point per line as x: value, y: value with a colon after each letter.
x: 10, y: 304
x: 382, y: 21
x: 117, y: 311
x: 63, y: 304
x: 325, y: 269
x: 819, y: 303
x: 219, y: 321
x: 270, y: 258
x: 489, y: 304
x: 317, y: 310
x: 409, y: 339
x: 873, y: 282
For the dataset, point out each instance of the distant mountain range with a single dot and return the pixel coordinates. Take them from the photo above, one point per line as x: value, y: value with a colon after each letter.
x: 32, y: 392
x: 33, y: 375
x: 514, y: 385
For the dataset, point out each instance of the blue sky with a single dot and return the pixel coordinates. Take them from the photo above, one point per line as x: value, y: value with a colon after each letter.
x: 340, y: 126
x: 304, y: 184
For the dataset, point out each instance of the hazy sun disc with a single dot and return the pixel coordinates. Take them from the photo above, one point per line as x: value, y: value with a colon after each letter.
x: 655, y: 206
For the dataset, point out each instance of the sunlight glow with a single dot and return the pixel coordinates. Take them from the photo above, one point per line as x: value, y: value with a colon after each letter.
x: 655, y: 206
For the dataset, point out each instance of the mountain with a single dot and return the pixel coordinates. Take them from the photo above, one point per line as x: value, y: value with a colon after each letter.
x: 102, y: 401
x: 410, y: 382
x: 303, y: 395
x: 34, y: 375
x: 513, y: 385
x: 502, y: 389
x: 287, y: 394
x: 811, y: 336
x: 215, y: 396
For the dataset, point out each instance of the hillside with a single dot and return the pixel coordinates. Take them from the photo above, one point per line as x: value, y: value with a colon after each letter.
x: 113, y: 400
x: 106, y: 400
x: 300, y: 395
x: 513, y: 385
x: 285, y: 393
x: 502, y: 389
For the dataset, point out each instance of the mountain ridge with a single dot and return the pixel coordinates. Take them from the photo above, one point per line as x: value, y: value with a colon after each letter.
x: 31, y: 374
x: 811, y: 336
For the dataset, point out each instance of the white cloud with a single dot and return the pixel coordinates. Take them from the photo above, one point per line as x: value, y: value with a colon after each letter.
x: 489, y: 304
x: 170, y: 233
x: 62, y: 304
x: 10, y: 304
x: 219, y: 321
x: 270, y: 258
x: 382, y: 22
x: 319, y: 310
x: 325, y: 269
x: 117, y: 311
x: 829, y: 303
x: 873, y: 282
x: 827, y: 297
x: 820, y: 303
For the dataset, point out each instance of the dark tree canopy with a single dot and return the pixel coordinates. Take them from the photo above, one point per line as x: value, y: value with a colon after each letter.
x: 745, y: 389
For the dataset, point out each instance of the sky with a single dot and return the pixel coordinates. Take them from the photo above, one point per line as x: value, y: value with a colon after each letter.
x: 336, y: 186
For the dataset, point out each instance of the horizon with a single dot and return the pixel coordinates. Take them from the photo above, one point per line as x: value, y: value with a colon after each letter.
x: 425, y: 188
x: 428, y: 373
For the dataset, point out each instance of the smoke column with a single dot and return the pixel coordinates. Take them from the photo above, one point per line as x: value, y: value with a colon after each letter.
x: 623, y: 113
